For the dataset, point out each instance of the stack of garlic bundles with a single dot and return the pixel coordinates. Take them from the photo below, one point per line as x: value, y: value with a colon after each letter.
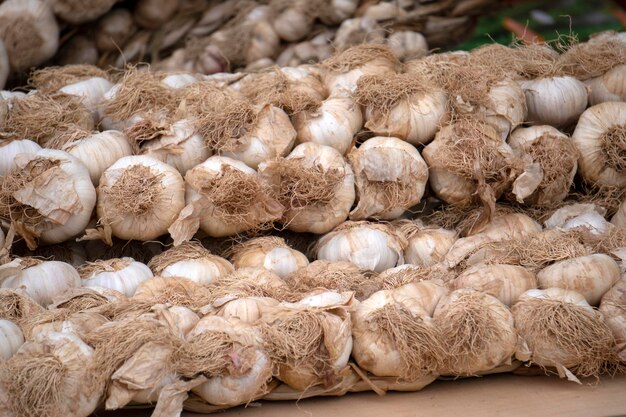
x: 209, y: 36
x: 372, y: 225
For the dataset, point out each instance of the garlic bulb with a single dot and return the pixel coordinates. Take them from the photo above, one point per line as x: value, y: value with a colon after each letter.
x: 599, y: 138
x: 246, y: 309
x: 394, y: 335
x: 619, y: 218
x: 427, y: 245
x: 334, y: 123
x: 390, y: 177
x: 591, y: 276
x: 180, y: 147
x: 181, y: 320
x: 83, y: 12
x: 370, y: 246
x: 49, y: 197
x: 345, y: 68
x: 60, y: 357
x: 338, y: 10
x: 476, y: 331
x: 9, y: 149
x: 504, y: 107
x: 404, y: 106
x: 505, y: 282
x: 11, y: 338
x: 114, y: 29
x: 152, y: 14
x: 92, y: 91
x: 579, y: 216
x: 613, y: 309
x: 555, y: 101
x: 29, y: 32
x: 139, y: 197
x: 357, y: 31
x: 41, y: 280
x: 4, y: 67
x: 314, y: 184
x: 249, y: 41
x: 179, y: 80
x: 248, y: 282
x: 553, y: 159
x: 608, y: 87
x: 173, y: 291
x: 407, y: 44
x: 224, y: 197
x: 192, y: 261
x: 579, y: 342
x: 123, y: 275
x: 292, y: 21
x: 271, y: 253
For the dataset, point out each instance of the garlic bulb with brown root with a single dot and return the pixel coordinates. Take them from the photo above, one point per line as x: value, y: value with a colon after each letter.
x: 476, y: 331
x: 333, y: 123
x: 591, y: 276
x: 577, y: 343
x: 427, y: 245
x: 309, y: 341
x: 82, y: 12
x: 49, y: 198
x: 608, y: 87
x: 11, y: 338
x: 345, y: 68
x: 248, y: 282
x: 394, y: 335
x: 41, y: 280
x: 271, y: 253
x: 9, y: 149
x: 552, y: 161
x: 390, y: 177
x: 357, y: 31
x: 314, y: 184
x: 556, y: 101
x: 368, y: 245
x: 581, y: 217
x: 600, y: 138
x: 192, y: 261
x: 405, y: 106
x: 123, y: 275
x: 224, y: 197
x: 246, y: 309
x: 29, y: 31
x: 51, y: 376
x: 505, y: 282
x: 139, y: 197
x: 613, y: 309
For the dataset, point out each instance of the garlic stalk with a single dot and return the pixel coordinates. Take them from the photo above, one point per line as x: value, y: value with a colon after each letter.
x: 370, y: 246
x: 271, y: 253
x: 613, y: 309
x: 390, y: 177
x: 11, y: 338
x: 29, y: 31
x: 314, y: 184
x: 9, y: 149
x: 591, y: 276
x: 123, y: 275
x: 41, y: 280
x: 427, y: 245
x: 192, y: 261
x: 405, y: 106
x: 224, y: 197
x: 600, y: 138
x: 49, y: 197
x: 139, y: 197
x: 608, y: 87
x: 476, y: 331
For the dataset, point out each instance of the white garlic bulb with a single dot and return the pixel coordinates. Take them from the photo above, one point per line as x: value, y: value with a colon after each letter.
x: 82, y: 12
x: 427, y: 245
x: 179, y: 80
x: 315, y: 184
x: 390, y: 177
x: 358, y: 30
x: 139, y: 197
x: 153, y: 13
x: 123, y: 275
x: 41, y: 280
x: 407, y: 44
x: 49, y: 196
x: 9, y: 149
x: 338, y: 11
x: 608, y: 87
x: 368, y: 245
x: 591, y: 276
x: 11, y: 338
x: 246, y: 309
x: 271, y: 253
x: 555, y: 101
x: 91, y: 90
x: 578, y: 216
x: 29, y: 31
x: 114, y: 29
x: 599, y: 139
x: 192, y: 261
x: 333, y: 124
x: 292, y: 24
x: 613, y: 308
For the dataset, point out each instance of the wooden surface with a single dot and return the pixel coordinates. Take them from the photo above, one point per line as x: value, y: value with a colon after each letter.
x: 494, y: 395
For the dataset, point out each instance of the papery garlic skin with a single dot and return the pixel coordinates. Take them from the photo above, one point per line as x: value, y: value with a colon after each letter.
x: 203, y: 271
x: 334, y: 124
x: 619, y: 218
x: 505, y: 282
x: 42, y: 281
x: 591, y: 275
x: 428, y: 246
x: 506, y: 107
x: 9, y: 149
x: 588, y: 217
x: 554, y: 101
x: 246, y: 309
x: 593, y: 125
x: 92, y: 91
x: 608, y: 87
x: 11, y: 338
x: 613, y: 308
x: 124, y: 276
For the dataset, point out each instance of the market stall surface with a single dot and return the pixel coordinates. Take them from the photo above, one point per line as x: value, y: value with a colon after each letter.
x: 494, y: 395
